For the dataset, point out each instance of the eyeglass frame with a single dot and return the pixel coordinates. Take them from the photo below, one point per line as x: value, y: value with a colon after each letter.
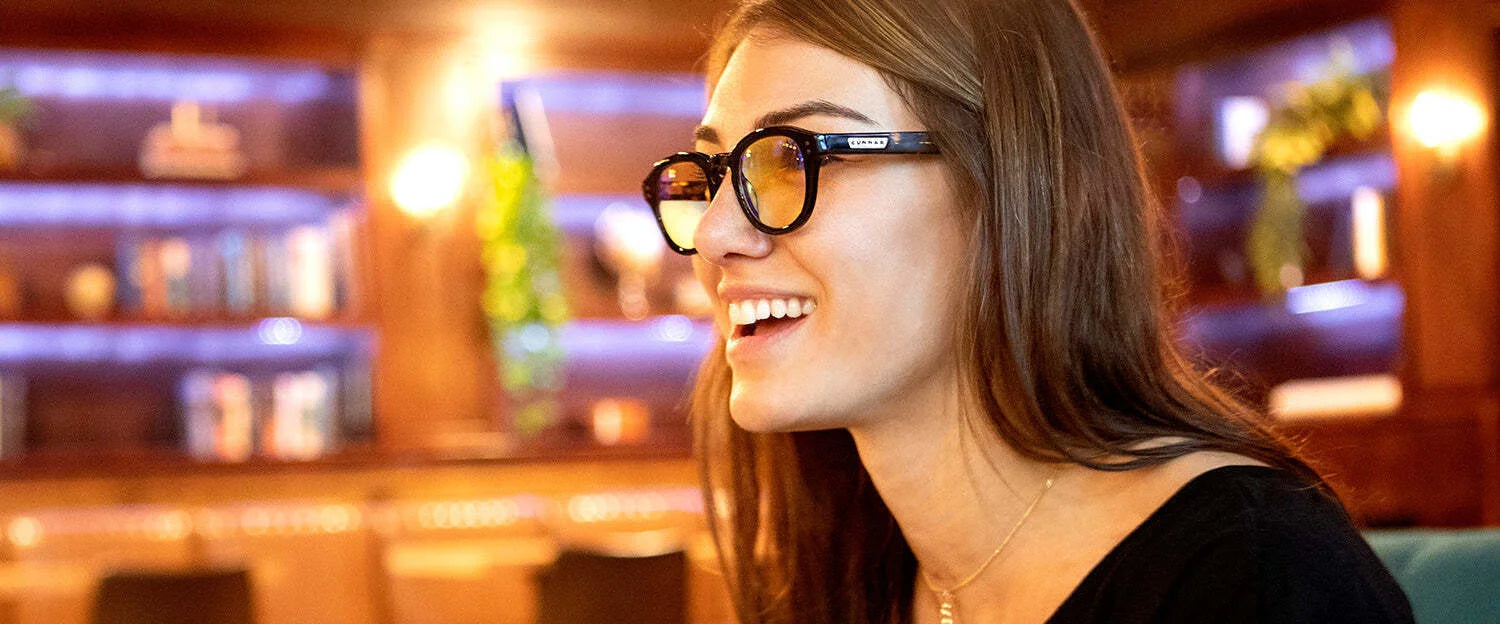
x: 813, y: 147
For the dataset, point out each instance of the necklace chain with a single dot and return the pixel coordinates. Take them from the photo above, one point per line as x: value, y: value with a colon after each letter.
x: 946, y: 610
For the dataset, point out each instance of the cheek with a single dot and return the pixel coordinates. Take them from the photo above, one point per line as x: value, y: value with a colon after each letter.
x: 891, y: 230
x: 708, y: 277
x: 895, y: 251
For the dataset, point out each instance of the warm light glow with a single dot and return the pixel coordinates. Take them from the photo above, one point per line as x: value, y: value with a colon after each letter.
x: 507, y: 38
x: 25, y: 531
x: 1444, y: 121
x: 429, y: 179
x: 1367, y: 212
x: 170, y: 526
x: 1241, y: 118
x: 620, y: 420
x: 1336, y: 397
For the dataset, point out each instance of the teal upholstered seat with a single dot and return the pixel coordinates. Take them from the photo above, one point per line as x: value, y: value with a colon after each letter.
x: 1451, y: 576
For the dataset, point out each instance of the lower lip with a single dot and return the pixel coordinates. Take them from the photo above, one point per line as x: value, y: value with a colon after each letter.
x: 761, y: 346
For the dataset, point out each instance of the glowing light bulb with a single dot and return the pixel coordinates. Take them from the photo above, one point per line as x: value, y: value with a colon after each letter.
x: 429, y: 179
x: 1444, y: 121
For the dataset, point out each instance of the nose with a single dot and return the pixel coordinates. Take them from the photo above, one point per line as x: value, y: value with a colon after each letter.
x: 725, y: 234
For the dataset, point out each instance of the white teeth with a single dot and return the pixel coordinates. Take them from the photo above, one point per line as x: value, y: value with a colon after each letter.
x: 747, y: 312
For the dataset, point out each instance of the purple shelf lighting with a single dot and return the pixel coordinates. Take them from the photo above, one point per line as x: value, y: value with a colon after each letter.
x: 584, y: 93
x: 115, y: 76
x: 576, y: 214
x: 272, y: 340
x: 621, y: 358
x: 157, y: 206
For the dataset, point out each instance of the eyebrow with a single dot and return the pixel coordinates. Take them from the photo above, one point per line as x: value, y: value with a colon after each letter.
x: 789, y: 114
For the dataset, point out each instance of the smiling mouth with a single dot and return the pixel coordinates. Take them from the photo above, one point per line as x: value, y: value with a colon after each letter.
x: 770, y: 324
x: 767, y: 315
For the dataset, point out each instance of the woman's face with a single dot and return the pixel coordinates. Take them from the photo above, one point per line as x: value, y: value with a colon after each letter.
x: 880, y: 257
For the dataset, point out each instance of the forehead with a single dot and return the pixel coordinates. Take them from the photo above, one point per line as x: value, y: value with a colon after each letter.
x: 772, y: 72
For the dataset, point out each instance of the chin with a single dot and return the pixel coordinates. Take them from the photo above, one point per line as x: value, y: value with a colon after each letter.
x: 761, y: 411
x: 756, y: 415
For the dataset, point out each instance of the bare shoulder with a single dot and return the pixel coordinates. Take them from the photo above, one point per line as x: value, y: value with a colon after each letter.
x: 1192, y: 465
x: 1165, y: 480
x: 1124, y: 499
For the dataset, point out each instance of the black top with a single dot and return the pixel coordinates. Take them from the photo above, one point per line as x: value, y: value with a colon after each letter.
x: 1240, y: 544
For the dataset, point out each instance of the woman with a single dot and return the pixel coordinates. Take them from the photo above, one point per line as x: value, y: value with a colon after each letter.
x: 946, y: 391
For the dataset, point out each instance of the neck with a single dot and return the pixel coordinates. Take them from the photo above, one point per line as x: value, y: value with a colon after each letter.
x: 955, y: 490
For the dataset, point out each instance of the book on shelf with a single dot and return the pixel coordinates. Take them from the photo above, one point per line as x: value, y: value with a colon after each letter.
x: 275, y: 285
x: 310, y: 272
x: 343, y: 230
x: 302, y: 420
x: 176, y: 262
x: 129, y: 295
x: 218, y: 415
x: 232, y: 416
x: 205, y: 274
x: 12, y: 415
x: 306, y: 271
x: 356, y: 409
x: 238, y: 266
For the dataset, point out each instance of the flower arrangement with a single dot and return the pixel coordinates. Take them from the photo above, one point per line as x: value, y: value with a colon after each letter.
x: 523, y: 299
x: 1299, y: 133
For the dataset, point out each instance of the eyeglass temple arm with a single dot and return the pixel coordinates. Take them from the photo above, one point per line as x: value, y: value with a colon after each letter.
x: 876, y: 143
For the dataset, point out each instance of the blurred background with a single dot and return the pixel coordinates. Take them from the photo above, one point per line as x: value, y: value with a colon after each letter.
x: 351, y: 311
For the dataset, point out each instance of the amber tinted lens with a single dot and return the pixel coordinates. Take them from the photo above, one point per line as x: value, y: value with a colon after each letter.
x: 775, y: 180
x: 682, y: 196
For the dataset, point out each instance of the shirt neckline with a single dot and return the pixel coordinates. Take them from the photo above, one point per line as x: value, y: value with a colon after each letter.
x: 1162, y: 513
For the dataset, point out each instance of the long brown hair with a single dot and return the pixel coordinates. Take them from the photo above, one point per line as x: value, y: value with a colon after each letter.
x: 1064, y: 344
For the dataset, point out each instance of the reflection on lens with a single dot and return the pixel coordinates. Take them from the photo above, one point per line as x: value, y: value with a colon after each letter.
x: 681, y: 219
x: 775, y: 180
x: 682, y: 198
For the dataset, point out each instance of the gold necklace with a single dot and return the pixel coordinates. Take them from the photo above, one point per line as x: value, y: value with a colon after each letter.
x: 945, y: 596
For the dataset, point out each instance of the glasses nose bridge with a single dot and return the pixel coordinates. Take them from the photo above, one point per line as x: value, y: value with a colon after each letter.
x: 718, y: 170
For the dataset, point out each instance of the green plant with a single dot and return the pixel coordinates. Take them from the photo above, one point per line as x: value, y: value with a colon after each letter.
x: 1299, y: 133
x: 14, y: 107
x: 523, y: 299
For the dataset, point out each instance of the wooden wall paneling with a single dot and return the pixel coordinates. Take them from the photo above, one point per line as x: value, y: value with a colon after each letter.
x: 1447, y: 251
x: 156, y: 31
x: 1489, y: 440
x: 1428, y: 466
x: 435, y: 375
x: 1152, y: 34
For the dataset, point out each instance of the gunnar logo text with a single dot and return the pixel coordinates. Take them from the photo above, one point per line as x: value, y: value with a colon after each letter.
x: 868, y: 142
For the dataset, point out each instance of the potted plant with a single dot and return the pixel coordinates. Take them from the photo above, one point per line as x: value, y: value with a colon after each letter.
x: 14, y: 109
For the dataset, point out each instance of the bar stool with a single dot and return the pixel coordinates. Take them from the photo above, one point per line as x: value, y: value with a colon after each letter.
x: 589, y: 587
x: 174, y: 597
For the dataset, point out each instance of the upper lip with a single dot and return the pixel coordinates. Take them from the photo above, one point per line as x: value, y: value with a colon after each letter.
x: 743, y: 292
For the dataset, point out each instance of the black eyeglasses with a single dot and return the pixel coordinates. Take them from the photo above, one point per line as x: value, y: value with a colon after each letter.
x: 775, y: 174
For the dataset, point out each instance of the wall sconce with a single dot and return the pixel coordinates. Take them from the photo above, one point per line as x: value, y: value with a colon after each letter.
x: 428, y: 179
x: 1444, y: 121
